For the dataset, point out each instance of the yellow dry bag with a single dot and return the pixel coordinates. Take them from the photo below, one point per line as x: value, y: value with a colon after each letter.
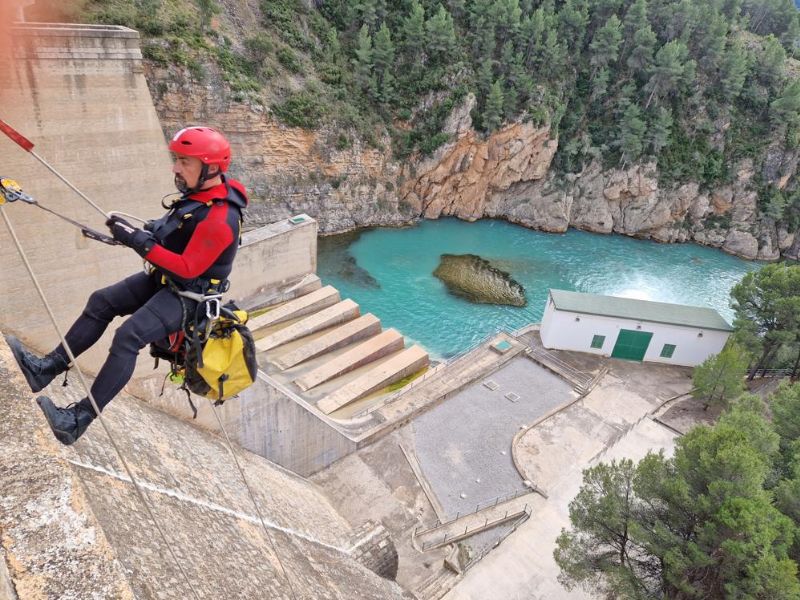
x: 226, y: 364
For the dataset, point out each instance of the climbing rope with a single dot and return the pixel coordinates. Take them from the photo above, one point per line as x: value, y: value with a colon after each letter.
x: 85, y: 385
x: 253, y: 498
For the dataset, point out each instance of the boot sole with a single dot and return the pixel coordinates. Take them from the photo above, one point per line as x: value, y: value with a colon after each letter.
x: 17, y: 350
x: 62, y: 436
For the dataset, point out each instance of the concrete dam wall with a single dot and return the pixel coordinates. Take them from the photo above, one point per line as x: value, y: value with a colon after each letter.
x: 74, y: 527
x: 78, y: 92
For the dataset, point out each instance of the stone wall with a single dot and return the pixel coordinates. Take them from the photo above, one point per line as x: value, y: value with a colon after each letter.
x: 373, y: 547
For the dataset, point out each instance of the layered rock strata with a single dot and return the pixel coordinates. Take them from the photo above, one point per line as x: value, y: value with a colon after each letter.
x: 506, y: 175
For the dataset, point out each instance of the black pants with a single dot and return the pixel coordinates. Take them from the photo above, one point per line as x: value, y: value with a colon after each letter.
x: 156, y: 312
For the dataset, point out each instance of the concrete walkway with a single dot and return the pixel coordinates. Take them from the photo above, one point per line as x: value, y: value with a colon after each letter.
x: 612, y: 422
x: 464, y: 445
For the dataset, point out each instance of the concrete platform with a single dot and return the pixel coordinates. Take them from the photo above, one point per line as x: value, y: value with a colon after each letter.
x: 372, y: 349
x: 304, y: 305
x: 341, y: 312
x: 407, y: 362
x: 363, y: 327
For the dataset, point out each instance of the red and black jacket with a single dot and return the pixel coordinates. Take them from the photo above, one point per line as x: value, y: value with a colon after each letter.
x: 198, y: 238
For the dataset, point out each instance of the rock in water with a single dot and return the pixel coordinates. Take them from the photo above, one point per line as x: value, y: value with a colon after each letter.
x: 472, y: 277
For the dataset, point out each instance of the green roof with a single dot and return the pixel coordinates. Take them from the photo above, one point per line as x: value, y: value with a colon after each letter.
x: 640, y: 310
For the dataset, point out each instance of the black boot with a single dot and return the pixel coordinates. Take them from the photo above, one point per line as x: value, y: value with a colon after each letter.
x: 68, y: 424
x: 39, y: 372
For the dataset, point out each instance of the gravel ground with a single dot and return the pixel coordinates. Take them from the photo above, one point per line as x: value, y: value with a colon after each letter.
x: 464, y: 444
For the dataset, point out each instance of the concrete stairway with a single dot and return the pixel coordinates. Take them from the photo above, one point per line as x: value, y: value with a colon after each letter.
x: 327, y: 352
x: 341, y: 312
x: 436, y: 586
x: 298, y: 307
x: 372, y: 349
x: 581, y: 382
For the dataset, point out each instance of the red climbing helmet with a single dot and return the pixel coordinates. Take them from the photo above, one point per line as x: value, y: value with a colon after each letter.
x: 207, y: 144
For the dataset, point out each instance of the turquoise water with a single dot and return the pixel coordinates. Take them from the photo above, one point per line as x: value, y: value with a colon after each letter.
x: 389, y: 273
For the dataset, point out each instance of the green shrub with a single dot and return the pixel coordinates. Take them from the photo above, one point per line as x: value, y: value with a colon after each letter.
x: 156, y: 53
x: 300, y: 110
x: 343, y: 142
x: 288, y: 59
x: 429, y: 144
x: 196, y: 69
x: 260, y: 46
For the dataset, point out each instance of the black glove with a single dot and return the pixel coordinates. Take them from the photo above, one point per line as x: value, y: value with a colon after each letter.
x: 125, y: 233
x: 148, y: 225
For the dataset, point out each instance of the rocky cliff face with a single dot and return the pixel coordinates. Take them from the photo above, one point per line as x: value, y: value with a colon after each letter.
x: 506, y: 175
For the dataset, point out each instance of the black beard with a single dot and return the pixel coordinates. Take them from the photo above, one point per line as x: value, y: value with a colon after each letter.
x: 180, y: 184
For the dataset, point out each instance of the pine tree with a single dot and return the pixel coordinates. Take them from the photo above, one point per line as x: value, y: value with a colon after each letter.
x: 640, y: 57
x: 600, y: 84
x: 573, y: 18
x: 631, y: 134
x: 554, y: 53
x: 771, y: 63
x: 485, y: 78
x: 766, y: 303
x: 363, y: 62
x: 493, y: 115
x: 333, y: 45
x: 366, y: 12
x: 711, y: 39
x: 635, y: 19
x: 414, y: 32
x: 720, y: 379
x: 735, y: 67
x: 785, y: 110
x: 506, y: 15
x: 441, y: 42
x: 603, y: 517
x: 605, y: 44
x: 659, y: 131
x: 672, y: 69
x: 383, y: 64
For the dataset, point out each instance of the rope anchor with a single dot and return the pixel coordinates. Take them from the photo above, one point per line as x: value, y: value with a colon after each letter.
x: 11, y: 191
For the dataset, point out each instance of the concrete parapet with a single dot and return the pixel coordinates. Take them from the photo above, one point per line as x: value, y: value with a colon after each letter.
x: 272, y: 257
x: 76, y: 42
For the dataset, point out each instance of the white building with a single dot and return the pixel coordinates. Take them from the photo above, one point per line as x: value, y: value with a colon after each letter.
x: 632, y: 329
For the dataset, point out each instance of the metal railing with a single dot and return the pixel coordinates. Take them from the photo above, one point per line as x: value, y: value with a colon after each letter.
x: 773, y: 373
x: 578, y: 377
x: 473, y: 561
x: 478, y: 528
x: 478, y: 507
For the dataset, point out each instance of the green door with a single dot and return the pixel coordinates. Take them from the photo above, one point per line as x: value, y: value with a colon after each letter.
x: 631, y: 345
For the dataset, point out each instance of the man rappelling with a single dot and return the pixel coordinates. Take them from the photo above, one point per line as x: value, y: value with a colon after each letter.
x: 190, y: 249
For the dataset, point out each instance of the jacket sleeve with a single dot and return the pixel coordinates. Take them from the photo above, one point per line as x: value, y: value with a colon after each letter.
x: 209, y: 239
